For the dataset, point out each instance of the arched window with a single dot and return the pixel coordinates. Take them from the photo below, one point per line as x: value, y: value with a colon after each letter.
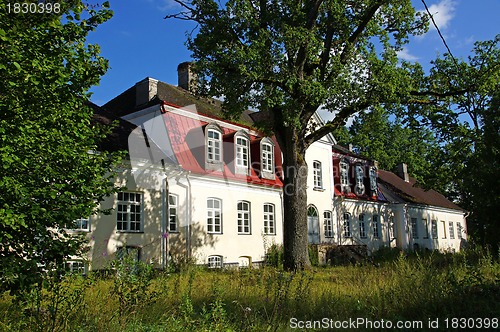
x: 214, y: 261
x: 267, y: 158
x: 347, y: 225
x: 362, y: 226
x: 373, y: 179
x: 360, y: 187
x: 327, y: 216
x: 214, y: 215
x: 244, y: 217
x: 344, y: 175
x: 213, y: 136
x: 269, y: 219
x: 242, y: 155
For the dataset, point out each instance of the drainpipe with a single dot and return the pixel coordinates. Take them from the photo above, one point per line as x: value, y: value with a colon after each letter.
x: 164, y: 241
x: 189, y: 210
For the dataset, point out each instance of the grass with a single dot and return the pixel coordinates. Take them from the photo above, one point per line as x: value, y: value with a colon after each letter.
x: 403, y: 288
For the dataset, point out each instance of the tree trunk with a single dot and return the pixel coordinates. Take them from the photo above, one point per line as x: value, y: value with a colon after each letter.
x: 295, y: 241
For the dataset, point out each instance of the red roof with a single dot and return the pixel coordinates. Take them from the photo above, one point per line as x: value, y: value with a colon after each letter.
x: 187, y: 139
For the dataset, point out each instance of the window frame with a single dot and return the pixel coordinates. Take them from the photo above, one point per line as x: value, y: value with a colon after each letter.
x: 128, y: 250
x: 218, y: 264
x: 451, y: 230
x: 128, y: 212
x: 267, y: 162
x: 81, y: 267
x: 344, y: 174
x: 174, y: 207
x: 414, y: 228
x: 425, y: 222
x: 376, y: 226
x: 242, y: 152
x: 317, y: 175
x: 362, y: 226
x: 212, y: 223
x: 373, y: 179
x: 459, y: 230
x: 328, y: 224
x: 269, y: 223
x: 346, y: 225
x: 359, y: 173
x: 244, y: 218
x: 434, y: 229
x: 75, y: 225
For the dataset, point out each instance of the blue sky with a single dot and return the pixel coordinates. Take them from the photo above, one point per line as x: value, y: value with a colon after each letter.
x: 139, y: 43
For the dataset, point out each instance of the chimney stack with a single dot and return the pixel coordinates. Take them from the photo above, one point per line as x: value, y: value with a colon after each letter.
x: 186, y: 78
x: 402, y: 172
x: 145, y: 90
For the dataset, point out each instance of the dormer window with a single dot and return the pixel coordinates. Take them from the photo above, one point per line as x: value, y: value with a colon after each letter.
x: 267, y: 158
x: 359, y: 175
x: 213, y: 136
x: 242, y: 155
x: 344, y: 175
x: 373, y: 179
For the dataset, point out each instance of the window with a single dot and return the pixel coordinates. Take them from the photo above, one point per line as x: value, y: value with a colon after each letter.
x: 318, y: 181
x: 414, y: 230
x: 434, y: 229
x: 426, y: 225
x: 129, y: 212
x: 443, y: 223
x: 214, y: 145
x: 344, y: 174
x: 359, y: 189
x: 75, y: 267
x: 451, y: 229
x: 214, y: 261
x: 243, y: 217
x: 128, y: 251
x: 269, y: 219
x: 327, y: 216
x: 362, y: 228
x: 214, y: 215
x: 242, y: 152
x: 81, y: 225
x: 267, y: 156
x: 459, y: 231
x: 376, y: 226
x: 172, y: 213
x: 392, y: 227
x: 347, y: 225
x: 373, y: 179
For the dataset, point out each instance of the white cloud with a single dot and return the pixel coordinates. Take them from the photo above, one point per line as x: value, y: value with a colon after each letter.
x: 404, y: 54
x: 443, y: 12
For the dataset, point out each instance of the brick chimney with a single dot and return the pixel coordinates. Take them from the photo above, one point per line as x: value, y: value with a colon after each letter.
x: 402, y: 172
x: 186, y: 78
x: 145, y: 90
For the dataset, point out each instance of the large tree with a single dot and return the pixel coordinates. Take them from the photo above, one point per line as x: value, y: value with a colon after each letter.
x: 51, y: 173
x: 287, y: 58
x: 464, y: 115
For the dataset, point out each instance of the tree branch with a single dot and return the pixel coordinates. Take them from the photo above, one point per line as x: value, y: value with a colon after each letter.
x: 367, y: 17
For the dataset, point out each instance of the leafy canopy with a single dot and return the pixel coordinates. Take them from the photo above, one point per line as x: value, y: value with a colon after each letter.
x: 51, y: 173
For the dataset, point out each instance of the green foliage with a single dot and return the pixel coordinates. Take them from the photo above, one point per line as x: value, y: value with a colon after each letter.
x: 50, y: 173
x: 409, y: 287
x: 274, y: 256
x: 132, y: 284
x: 463, y: 114
x: 390, y: 142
